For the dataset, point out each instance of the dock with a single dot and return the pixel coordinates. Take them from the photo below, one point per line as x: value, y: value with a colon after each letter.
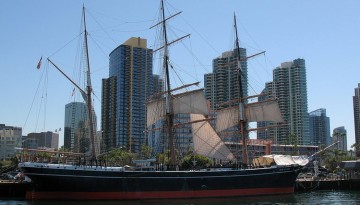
x: 13, y: 188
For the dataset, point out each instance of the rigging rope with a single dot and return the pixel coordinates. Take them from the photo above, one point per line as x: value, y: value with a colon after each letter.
x: 58, y: 50
x: 32, y: 103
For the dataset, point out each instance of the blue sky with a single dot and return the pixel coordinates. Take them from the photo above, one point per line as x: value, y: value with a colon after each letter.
x: 326, y: 33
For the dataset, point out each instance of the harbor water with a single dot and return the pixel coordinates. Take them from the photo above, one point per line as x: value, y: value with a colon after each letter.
x: 314, y: 197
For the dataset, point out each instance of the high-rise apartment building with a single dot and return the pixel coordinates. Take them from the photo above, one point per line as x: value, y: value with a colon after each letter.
x: 125, y: 94
x: 291, y: 92
x: 108, y: 113
x: 356, y: 104
x: 222, y: 84
x: 10, y: 137
x: 76, y: 130
x: 319, y: 128
x: 340, y: 136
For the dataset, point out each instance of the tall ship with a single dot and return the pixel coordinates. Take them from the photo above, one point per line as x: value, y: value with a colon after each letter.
x: 95, y: 180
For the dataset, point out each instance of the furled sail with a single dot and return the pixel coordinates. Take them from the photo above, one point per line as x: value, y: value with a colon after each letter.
x: 254, y: 112
x: 185, y: 103
x: 206, y: 140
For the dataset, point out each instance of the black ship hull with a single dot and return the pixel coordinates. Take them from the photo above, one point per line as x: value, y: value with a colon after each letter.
x: 70, y: 182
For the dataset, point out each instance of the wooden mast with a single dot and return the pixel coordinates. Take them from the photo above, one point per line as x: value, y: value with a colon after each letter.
x: 89, y: 91
x: 242, y: 122
x: 169, y: 111
x: 86, y: 94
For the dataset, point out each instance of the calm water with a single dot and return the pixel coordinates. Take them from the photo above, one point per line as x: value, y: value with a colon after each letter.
x: 316, y: 197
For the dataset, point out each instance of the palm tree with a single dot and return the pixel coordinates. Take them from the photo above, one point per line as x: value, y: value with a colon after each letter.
x: 332, y: 158
x: 357, y: 148
x: 145, y: 152
x: 118, y: 156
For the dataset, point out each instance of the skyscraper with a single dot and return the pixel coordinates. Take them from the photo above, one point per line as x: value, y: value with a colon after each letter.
x: 125, y: 94
x: 108, y: 113
x: 222, y: 84
x: 319, y: 127
x: 340, y: 136
x: 291, y: 92
x: 76, y: 131
x: 356, y: 104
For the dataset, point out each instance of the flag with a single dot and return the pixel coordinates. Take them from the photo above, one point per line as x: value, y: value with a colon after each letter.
x: 39, y: 63
x: 73, y: 92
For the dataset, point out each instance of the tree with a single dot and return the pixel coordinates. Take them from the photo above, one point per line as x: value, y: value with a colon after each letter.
x: 63, y: 149
x: 357, y: 149
x: 293, y: 141
x: 8, y: 165
x: 145, y: 151
x: 162, y: 159
x: 44, y: 156
x: 195, y: 161
x: 333, y: 157
x: 355, y: 145
x: 118, y: 156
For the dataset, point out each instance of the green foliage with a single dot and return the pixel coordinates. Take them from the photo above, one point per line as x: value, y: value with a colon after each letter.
x: 162, y: 159
x: 118, y: 156
x: 43, y: 155
x: 14, y: 161
x: 63, y: 149
x: 356, y: 146
x: 333, y: 157
x: 145, y: 152
x: 331, y: 164
x: 8, y: 165
x: 200, y: 162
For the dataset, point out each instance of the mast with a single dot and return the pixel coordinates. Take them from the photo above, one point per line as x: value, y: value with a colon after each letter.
x: 169, y: 112
x: 242, y: 122
x: 89, y: 91
x: 166, y: 98
x: 86, y: 94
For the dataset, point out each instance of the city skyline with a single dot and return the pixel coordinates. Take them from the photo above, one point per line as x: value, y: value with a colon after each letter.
x: 324, y: 33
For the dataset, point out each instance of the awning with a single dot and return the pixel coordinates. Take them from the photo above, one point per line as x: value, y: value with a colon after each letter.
x: 355, y: 164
